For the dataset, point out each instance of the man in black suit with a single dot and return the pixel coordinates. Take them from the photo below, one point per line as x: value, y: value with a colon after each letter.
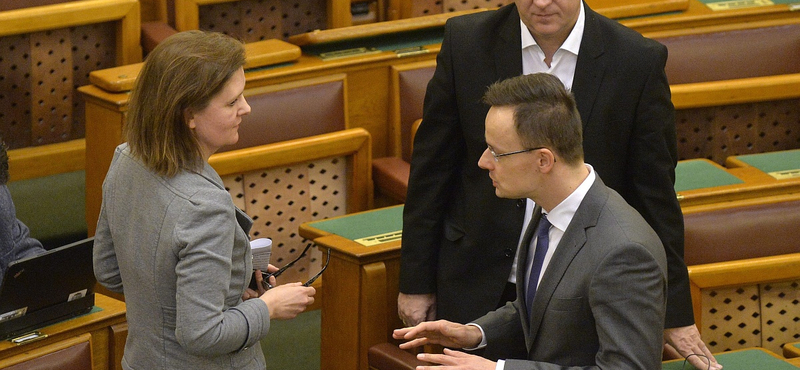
x: 459, y: 239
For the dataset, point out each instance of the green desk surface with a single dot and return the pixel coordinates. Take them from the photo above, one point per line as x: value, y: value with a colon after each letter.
x: 364, y: 224
x: 698, y: 174
x: 749, y: 359
x: 390, y: 42
x: 784, y: 160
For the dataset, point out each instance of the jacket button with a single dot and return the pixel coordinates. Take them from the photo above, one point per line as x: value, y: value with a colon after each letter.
x: 508, y: 252
x: 520, y: 203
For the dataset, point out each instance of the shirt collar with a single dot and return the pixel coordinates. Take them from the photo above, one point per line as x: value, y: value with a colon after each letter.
x: 561, y: 215
x: 573, y: 42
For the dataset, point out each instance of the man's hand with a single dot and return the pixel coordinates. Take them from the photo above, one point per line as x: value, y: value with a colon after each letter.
x: 416, y: 308
x: 445, y: 333
x: 686, y: 341
x: 455, y: 360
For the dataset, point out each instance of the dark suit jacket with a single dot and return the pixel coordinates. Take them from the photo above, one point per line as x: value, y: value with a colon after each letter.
x: 601, y: 301
x: 459, y: 239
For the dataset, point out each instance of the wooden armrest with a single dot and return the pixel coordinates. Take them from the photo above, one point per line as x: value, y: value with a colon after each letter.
x: 375, y: 29
x: 387, y: 356
x: 744, y: 90
x: 616, y: 9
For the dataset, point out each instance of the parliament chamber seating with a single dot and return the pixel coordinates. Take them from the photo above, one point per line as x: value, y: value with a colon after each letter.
x: 49, y: 49
x: 728, y: 103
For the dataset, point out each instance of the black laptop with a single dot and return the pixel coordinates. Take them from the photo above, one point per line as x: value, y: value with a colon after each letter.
x: 41, y: 290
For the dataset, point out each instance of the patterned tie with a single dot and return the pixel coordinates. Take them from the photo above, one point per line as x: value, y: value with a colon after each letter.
x: 542, y: 243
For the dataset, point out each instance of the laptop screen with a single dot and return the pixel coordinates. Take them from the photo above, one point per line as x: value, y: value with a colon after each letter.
x: 49, y: 284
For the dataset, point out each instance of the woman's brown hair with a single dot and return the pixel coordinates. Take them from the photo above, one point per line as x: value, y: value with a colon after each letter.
x: 181, y: 75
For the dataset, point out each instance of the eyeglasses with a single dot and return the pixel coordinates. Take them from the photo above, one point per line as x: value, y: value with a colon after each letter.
x: 497, y: 156
x: 266, y: 275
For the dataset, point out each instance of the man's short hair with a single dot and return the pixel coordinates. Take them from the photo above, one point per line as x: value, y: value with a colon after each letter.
x: 545, y: 113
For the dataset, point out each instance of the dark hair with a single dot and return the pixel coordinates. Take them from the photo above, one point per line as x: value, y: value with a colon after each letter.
x: 545, y: 113
x: 181, y: 75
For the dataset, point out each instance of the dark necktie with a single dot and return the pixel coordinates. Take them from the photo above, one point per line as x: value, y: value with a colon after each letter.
x: 542, y: 243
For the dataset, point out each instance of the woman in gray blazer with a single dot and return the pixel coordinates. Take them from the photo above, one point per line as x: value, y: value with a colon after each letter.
x: 169, y: 236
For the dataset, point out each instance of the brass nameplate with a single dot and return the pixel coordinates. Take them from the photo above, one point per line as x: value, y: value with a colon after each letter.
x: 788, y: 174
x: 347, y: 53
x: 407, y: 52
x: 738, y: 4
x: 27, y: 338
x: 380, y: 238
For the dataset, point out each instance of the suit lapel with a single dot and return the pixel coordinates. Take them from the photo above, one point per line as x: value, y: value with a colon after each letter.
x: 591, y: 66
x: 507, y: 52
x: 571, y: 243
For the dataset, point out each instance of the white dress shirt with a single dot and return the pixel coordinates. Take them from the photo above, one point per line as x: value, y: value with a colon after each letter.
x: 563, y: 67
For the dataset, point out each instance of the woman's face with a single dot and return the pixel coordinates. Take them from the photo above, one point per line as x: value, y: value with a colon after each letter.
x: 217, y: 124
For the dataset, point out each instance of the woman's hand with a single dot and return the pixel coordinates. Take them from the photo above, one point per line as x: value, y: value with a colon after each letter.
x: 288, y: 300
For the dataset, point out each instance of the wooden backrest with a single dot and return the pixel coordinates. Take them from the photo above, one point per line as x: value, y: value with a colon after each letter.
x: 409, y: 83
x: 726, y: 105
x: 293, y: 110
x: 743, y: 229
x: 251, y: 20
x: 284, y: 184
x: 70, y: 354
x: 48, y: 51
x: 747, y: 303
x: 727, y: 55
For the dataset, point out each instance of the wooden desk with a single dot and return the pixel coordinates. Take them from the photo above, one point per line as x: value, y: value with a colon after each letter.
x: 781, y: 165
x: 792, y: 350
x: 107, y: 328
x: 744, y: 359
x: 361, y: 285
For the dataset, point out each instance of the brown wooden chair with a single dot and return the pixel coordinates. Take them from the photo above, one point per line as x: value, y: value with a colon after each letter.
x: 406, y: 94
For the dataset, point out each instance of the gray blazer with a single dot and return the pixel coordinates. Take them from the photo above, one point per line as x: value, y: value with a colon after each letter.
x: 178, y: 249
x: 601, y: 301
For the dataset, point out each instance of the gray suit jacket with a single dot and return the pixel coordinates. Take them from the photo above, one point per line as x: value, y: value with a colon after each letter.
x: 601, y: 301
x: 178, y: 249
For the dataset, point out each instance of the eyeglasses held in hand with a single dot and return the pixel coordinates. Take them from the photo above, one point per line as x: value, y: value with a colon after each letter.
x: 266, y: 275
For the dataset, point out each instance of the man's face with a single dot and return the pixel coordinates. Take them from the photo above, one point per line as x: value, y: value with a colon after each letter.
x: 549, y: 18
x: 512, y: 174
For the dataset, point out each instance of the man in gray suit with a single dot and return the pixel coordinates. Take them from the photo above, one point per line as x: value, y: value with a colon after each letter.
x: 592, y: 282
